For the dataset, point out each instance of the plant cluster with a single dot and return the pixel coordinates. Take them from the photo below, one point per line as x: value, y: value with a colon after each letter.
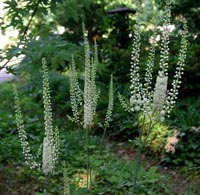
x: 50, y: 145
x: 153, y: 104
x: 88, y: 100
x: 152, y: 100
x: 89, y: 96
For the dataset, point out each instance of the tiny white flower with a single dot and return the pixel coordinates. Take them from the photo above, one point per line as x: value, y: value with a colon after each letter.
x: 162, y: 113
x: 162, y: 119
x: 137, y: 108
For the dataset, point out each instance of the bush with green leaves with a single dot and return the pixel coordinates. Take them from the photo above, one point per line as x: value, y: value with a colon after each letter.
x: 54, y: 48
x: 185, y: 118
x: 111, y: 174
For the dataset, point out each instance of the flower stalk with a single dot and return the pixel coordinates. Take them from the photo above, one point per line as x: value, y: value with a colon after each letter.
x: 50, y: 146
x: 88, y: 99
x: 154, y: 104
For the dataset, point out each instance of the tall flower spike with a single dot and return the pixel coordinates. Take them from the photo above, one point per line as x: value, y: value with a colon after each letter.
x: 164, y: 53
x: 173, y: 92
x: 160, y: 92
x: 110, y: 105
x: 134, y: 71
x: 157, y: 103
x: 89, y: 93
x: 147, y: 91
x: 75, y: 92
x: 30, y: 160
x: 50, y: 142
x: 94, y: 93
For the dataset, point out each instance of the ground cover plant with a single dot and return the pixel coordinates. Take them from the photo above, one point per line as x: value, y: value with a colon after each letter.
x: 141, y: 152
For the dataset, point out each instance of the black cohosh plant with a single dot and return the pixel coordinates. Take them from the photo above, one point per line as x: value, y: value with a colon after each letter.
x: 153, y: 105
x: 49, y: 150
x: 87, y: 99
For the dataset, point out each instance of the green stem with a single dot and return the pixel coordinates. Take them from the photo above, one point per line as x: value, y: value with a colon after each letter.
x: 151, y: 126
x: 89, y: 171
x: 138, y: 158
x: 135, y: 171
x: 137, y: 163
x: 103, y: 137
x: 102, y: 140
x: 88, y: 159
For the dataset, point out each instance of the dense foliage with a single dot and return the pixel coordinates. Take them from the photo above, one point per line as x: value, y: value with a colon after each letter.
x: 53, y: 29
